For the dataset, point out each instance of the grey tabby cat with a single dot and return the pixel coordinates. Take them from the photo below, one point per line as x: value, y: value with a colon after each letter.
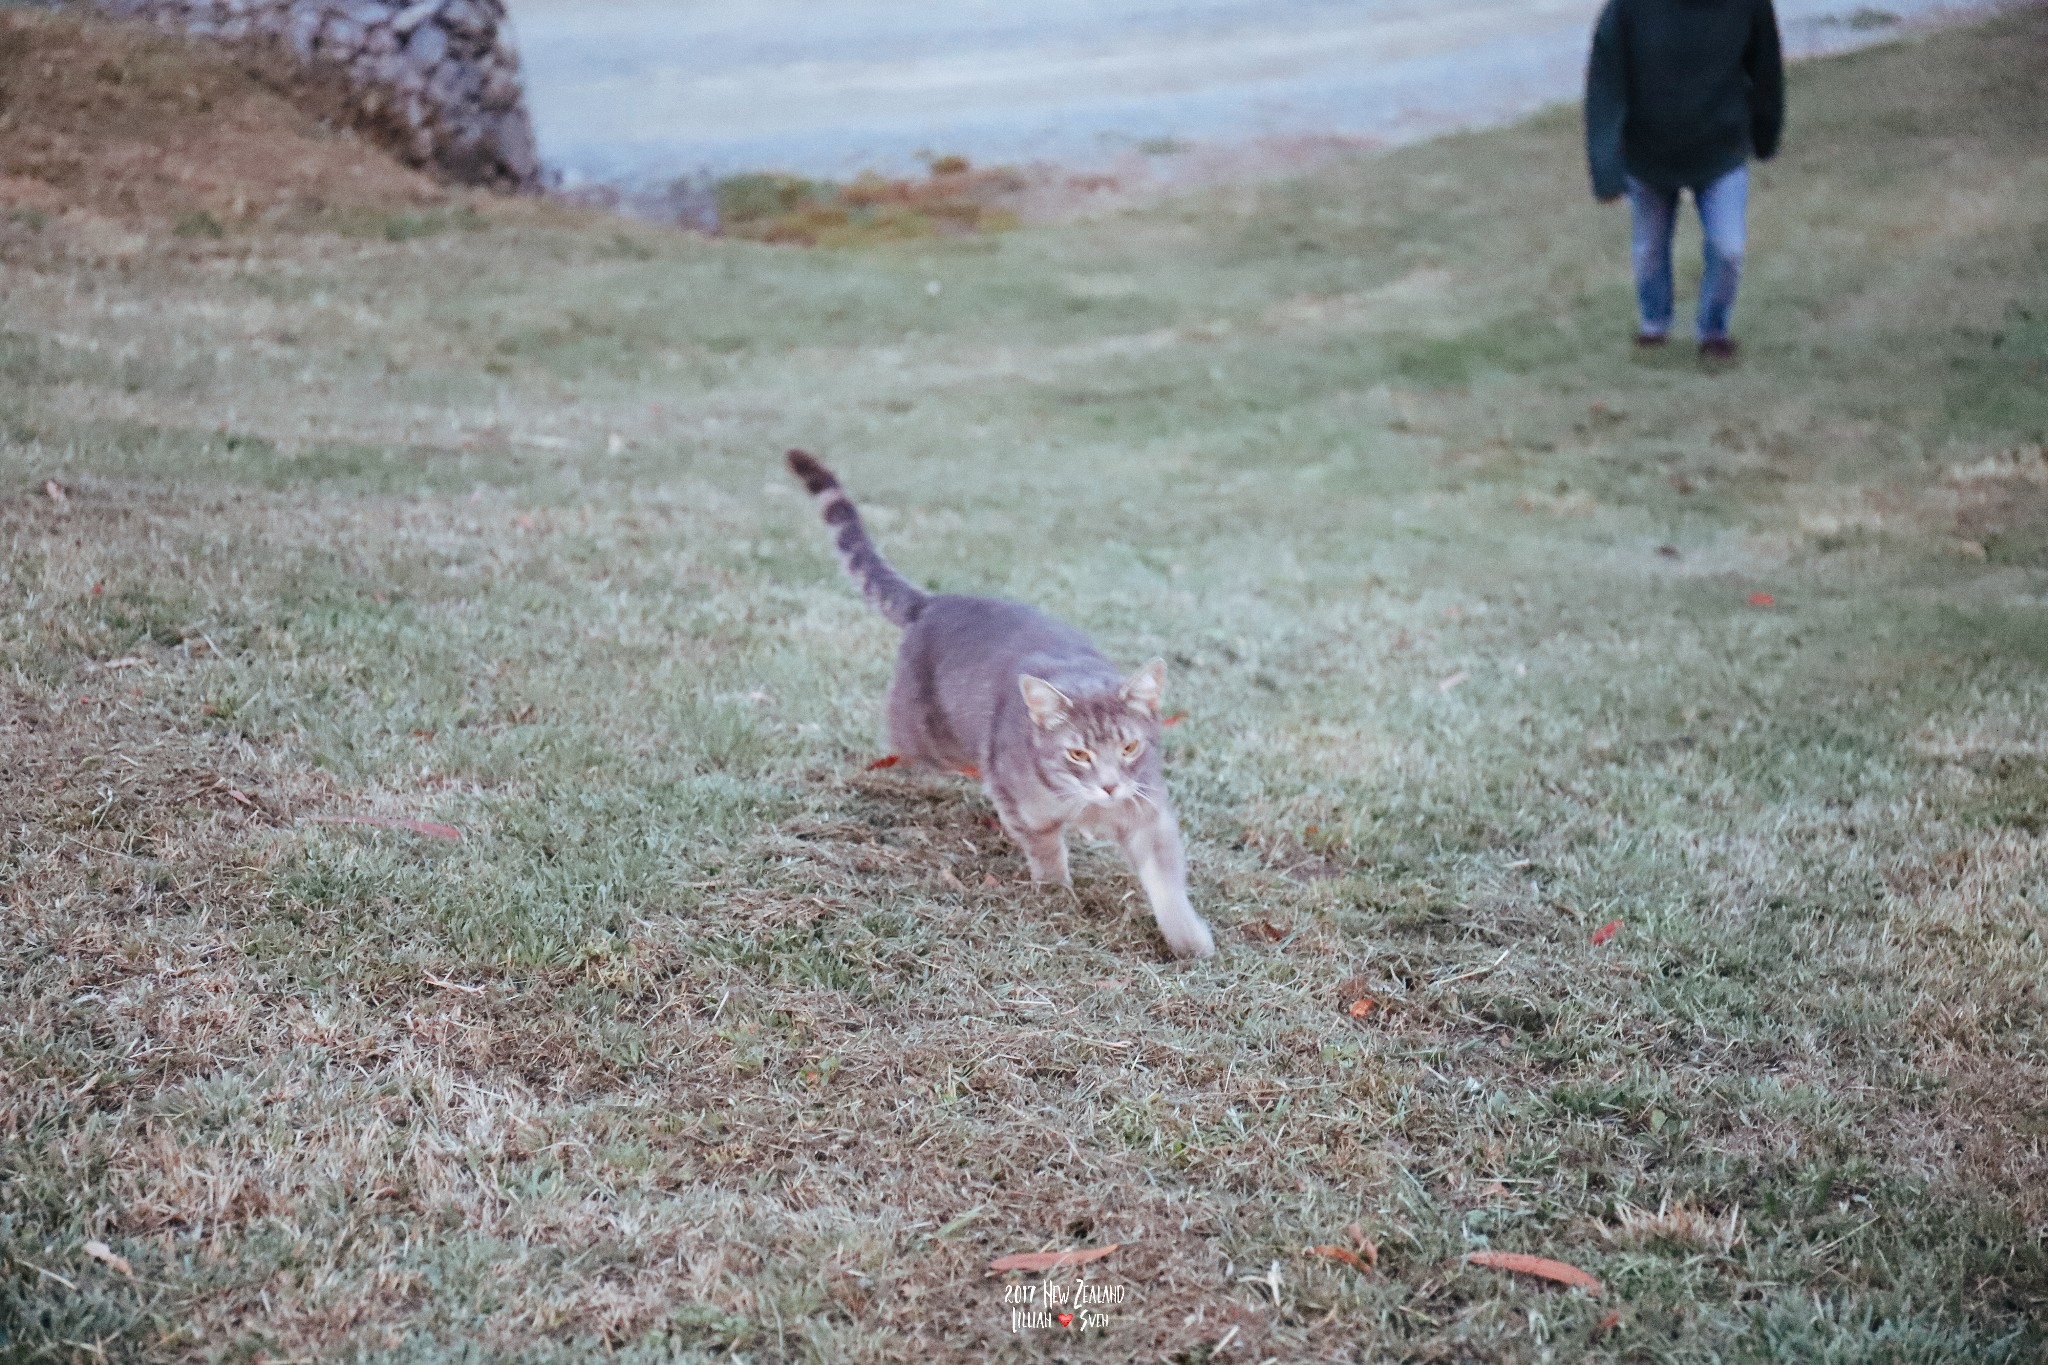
x: 1059, y: 740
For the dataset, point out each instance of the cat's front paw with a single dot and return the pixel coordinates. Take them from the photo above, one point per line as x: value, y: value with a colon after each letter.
x: 1050, y: 873
x: 1188, y: 936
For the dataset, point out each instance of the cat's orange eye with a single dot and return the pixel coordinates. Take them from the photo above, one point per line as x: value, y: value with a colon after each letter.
x: 1131, y: 749
x: 1080, y: 757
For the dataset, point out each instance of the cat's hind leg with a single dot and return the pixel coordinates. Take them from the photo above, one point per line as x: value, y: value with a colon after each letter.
x: 1152, y: 844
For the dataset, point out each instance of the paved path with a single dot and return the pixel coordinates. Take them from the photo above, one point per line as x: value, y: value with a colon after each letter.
x: 634, y: 89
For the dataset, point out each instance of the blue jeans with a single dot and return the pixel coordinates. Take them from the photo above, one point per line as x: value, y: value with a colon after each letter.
x: 1723, y: 206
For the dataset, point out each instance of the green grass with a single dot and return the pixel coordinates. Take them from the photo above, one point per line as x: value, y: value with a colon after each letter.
x: 707, y: 1044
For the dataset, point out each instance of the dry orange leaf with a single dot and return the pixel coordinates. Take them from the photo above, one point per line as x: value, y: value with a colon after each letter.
x: 971, y: 771
x: 1762, y: 599
x: 1607, y: 1324
x: 432, y: 829
x: 885, y: 761
x: 1176, y: 718
x: 100, y: 1251
x: 1540, y: 1266
x: 1355, y: 997
x: 1344, y: 1254
x: 1050, y: 1260
x: 1606, y: 932
x: 1331, y: 1252
x: 1366, y: 1246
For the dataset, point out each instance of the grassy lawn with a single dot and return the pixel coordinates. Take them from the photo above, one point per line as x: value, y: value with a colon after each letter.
x: 706, y: 1043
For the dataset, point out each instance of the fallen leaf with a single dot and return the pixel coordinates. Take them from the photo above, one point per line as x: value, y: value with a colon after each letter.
x: 1607, y: 1324
x: 1366, y: 1246
x: 433, y: 980
x: 1176, y: 718
x: 989, y: 879
x: 100, y: 1251
x: 432, y: 829
x: 1540, y: 1266
x: 1353, y: 992
x: 1606, y: 932
x: 1458, y: 679
x: 1344, y: 1254
x: 239, y: 797
x: 56, y: 491
x: 1762, y: 599
x: 1049, y: 1260
x: 885, y: 761
x: 971, y: 771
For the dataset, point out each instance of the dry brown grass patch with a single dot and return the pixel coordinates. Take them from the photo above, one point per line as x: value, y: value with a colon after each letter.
x: 116, y: 120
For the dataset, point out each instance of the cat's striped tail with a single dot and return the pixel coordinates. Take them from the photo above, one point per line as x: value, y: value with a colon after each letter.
x: 889, y: 592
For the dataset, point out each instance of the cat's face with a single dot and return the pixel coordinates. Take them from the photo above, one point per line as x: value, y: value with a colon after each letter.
x: 1094, y: 748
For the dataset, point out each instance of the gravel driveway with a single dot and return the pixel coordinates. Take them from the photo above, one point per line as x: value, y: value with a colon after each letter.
x: 627, y: 90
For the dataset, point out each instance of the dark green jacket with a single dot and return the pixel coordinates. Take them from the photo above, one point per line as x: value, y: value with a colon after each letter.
x: 1680, y: 92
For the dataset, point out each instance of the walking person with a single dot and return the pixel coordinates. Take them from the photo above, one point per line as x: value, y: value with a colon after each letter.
x: 1680, y: 94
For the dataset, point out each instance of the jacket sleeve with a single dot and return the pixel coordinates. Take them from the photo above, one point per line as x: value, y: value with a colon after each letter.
x: 1607, y: 104
x: 1765, y: 65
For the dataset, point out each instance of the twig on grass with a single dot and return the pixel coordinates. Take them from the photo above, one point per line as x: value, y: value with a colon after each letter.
x: 1476, y: 971
x: 51, y: 1274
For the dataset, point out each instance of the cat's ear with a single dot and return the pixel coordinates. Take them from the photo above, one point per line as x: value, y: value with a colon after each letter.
x: 1147, y: 688
x: 1048, y: 705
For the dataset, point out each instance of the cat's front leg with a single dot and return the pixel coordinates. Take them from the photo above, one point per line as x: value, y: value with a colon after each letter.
x: 1045, y: 850
x: 1153, y: 847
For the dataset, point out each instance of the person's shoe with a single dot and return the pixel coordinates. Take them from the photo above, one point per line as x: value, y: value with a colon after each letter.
x: 1649, y: 341
x: 1718, y: 348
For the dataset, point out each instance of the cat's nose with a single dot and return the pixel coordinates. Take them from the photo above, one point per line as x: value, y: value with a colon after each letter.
x: 1109, y: 788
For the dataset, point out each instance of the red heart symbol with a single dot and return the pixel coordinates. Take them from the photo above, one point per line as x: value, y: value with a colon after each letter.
x: 1066, y: 1319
